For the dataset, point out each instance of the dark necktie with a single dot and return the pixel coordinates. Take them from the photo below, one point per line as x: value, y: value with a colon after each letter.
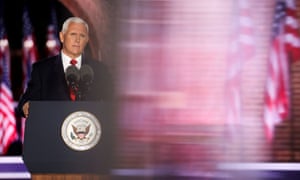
x: 73, y: 62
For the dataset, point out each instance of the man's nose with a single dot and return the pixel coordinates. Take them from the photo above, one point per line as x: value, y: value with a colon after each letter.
x: 77, y: 38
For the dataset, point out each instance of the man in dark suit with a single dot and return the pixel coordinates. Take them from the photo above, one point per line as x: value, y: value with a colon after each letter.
x: 48, y: 80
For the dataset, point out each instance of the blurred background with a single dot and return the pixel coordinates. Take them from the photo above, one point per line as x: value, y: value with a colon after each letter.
x: 199, y: 84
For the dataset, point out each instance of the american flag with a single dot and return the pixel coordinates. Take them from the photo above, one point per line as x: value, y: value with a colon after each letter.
x: 8, y: 131
x: 30, y: 54
x: 285, y: 48
x: 241, y: 50
x: 53, y: 43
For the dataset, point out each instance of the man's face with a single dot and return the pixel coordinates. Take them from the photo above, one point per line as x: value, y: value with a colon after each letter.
x: 74, y: 39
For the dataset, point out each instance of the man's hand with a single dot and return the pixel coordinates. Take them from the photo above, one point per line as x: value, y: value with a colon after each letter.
x: 26, y: 109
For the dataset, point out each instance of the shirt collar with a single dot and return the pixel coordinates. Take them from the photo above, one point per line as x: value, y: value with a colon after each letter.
x: 66, y: 60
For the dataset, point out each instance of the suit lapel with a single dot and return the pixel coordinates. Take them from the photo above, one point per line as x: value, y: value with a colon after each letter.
x: 59, y: 70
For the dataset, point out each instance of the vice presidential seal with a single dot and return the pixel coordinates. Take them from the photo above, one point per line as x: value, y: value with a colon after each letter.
x: 81, y: 131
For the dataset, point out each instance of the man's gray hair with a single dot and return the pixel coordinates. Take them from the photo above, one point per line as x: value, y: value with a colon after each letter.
x: 74, y: 20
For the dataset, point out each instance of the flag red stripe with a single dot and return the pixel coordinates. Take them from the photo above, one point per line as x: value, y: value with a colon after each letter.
x: 285, y: 48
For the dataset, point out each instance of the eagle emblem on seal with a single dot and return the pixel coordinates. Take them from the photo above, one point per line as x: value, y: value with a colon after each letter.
x: 81, y: 132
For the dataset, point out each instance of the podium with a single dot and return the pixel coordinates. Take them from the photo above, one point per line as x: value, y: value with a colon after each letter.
x: 68, y: 140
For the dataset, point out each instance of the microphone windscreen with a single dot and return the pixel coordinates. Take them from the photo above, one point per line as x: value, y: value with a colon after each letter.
x: 72, y: 74
x: 86, y: 73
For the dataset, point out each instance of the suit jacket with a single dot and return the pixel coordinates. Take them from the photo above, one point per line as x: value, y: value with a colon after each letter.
x: 48, y: 82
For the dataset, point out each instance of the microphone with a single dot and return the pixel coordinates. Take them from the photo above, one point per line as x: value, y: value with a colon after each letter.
x: 86, y: 74
x: 86, y: 78
x: 73, y: 77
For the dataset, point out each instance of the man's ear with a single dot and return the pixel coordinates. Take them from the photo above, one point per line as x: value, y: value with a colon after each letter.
x: 61, y: 37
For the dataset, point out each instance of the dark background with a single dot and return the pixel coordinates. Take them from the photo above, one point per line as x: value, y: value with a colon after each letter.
x: 39, y: 14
